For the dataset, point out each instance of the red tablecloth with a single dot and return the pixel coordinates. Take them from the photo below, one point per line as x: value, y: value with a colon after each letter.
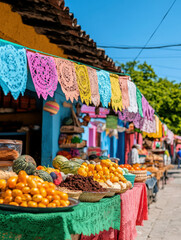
x: 134, y: 210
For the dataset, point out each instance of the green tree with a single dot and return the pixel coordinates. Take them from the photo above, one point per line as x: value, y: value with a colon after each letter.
x: 163, y: 95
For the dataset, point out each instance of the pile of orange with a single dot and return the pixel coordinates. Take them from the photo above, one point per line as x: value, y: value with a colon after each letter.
x: 31, y: 191
x: 134, y: 167
x: 102, y: 172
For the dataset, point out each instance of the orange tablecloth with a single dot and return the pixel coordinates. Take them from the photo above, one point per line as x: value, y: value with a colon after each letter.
x: 134, y: 210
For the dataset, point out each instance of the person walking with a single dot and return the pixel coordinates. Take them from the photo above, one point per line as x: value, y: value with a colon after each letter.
x: 179, y: 157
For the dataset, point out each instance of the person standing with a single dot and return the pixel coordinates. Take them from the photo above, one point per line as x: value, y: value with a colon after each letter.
x: 133, y: 156
x: 179, y: 157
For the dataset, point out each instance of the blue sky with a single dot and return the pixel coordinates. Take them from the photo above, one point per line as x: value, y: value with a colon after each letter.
x: 131, y: 22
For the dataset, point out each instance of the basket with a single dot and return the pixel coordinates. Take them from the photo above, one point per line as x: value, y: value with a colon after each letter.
x: 92, y: 196
x: 71, y: 193
x: 110, y: 193
x: 141, y: 176
x: 131, y: 178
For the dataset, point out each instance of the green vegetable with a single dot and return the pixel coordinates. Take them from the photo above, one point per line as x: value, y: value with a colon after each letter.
x: 26, y: 163
x: 43, y: 175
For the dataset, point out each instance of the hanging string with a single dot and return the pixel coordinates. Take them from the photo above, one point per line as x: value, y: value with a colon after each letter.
x: 34, y: 50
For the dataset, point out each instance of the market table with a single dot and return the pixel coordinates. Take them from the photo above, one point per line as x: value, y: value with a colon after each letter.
x: 134, y: 210
x: 86, y: 218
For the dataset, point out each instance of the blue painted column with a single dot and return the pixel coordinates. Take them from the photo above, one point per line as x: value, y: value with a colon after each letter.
x: 51, y: 128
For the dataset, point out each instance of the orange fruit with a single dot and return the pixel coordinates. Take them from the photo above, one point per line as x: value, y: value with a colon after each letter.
x: 45, y: 201
x: 39, y: 184
x: 51, y: 205
x: 63, y: 203
x: 26, y: 190
x: 27, y: 197
x: 97, y: 176
x: 67, y: 203
x: 8, y: 199
x: 17, y: 192
x: 34, y: 191
x: 98, y: 167
x: 20, y: 185
x: 22, y: 177
x: 50, y: 191
x: 2, y: 183
x: 41, y: 205
x: 84, y: 164
x: 18, y: 199
x: 37, y: 198
x: 24, y: 204
x: 1, y: 201
x: 82, y: 172
x: 57, y: 202
x: 50, y: 198
x: 91, y: 167
x: 51, y: 185
x: 56, y: 197
x: 8, y: 193
x: 11, y: 183
x: 114, y: 179
x: 112, y: 169
x: 111, y: 175
x: 119, y: 171
x: 2, y: 194
x: 101, y: 173
x: 115, y: 165
x: 32, y: 204
x: 63, y: 196
x: 31, y: 183
x: 43, y: 192
x: 14, y: 203
x: 90, y: 174
x: 116, y: 174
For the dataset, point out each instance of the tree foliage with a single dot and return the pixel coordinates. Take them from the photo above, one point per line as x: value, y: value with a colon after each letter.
x: 163, y: 95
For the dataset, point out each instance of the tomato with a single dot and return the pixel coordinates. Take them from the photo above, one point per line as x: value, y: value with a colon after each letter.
x: 18, y: 199
x: 24, y: 204
x: 1, y: 201
x: 45, y: 201
x: 34, y: 191
x: 26, y: 190
x: 22, y: 177
x: 27, y: 197
x: 14, y: 204
x: 137, y: 168
x: 8, y: 199
x: 40, y: 168
x: 41, y: 205
x: 143, y: 168
x: 8, y: 193
x: 57, y: 202
x: 32, y: 204
x: 17, y: 192
x: 43, y: 192
x: 31, y: 183
x: 121, y: 166
x: 20, y: 185
x: 50, y: 191
x: 11, y: 183
x: 2, y: 184
x: 37, y: 198
x: 64, y: 196
x: 51, y: 205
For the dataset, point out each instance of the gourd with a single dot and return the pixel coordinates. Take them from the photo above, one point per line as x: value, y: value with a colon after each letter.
x: 26, y: 163
x: 58, y: 161
x: 70, y: 167
x: 43, y: 175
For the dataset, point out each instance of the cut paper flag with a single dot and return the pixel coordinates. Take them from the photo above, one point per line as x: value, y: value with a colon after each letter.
x: 116, y: 98
x: 13, y: 70
x: 44, y: 74
x: 67, y: 79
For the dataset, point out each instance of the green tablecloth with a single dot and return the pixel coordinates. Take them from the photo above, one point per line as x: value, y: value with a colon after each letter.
x: 86, y: 218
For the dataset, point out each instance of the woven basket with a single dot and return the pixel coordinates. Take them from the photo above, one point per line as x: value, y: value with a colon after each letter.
x: 71, y: 193
x: 141, y: 176
x: 110, y: 193
x: 92, y: 196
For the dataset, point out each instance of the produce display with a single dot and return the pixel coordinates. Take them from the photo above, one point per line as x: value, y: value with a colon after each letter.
x: 102, y: 172
x: 78, y: 182
x: 31, y: 191
x: 134, y: 167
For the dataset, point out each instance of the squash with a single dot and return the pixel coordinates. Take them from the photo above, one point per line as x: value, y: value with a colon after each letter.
x: 26, y: 163
x: 58, y: 161
x: 70, y: 167
x: 43, y: 175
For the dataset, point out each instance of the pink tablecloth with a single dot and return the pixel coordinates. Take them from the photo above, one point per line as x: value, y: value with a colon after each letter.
x: 134, y: 210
